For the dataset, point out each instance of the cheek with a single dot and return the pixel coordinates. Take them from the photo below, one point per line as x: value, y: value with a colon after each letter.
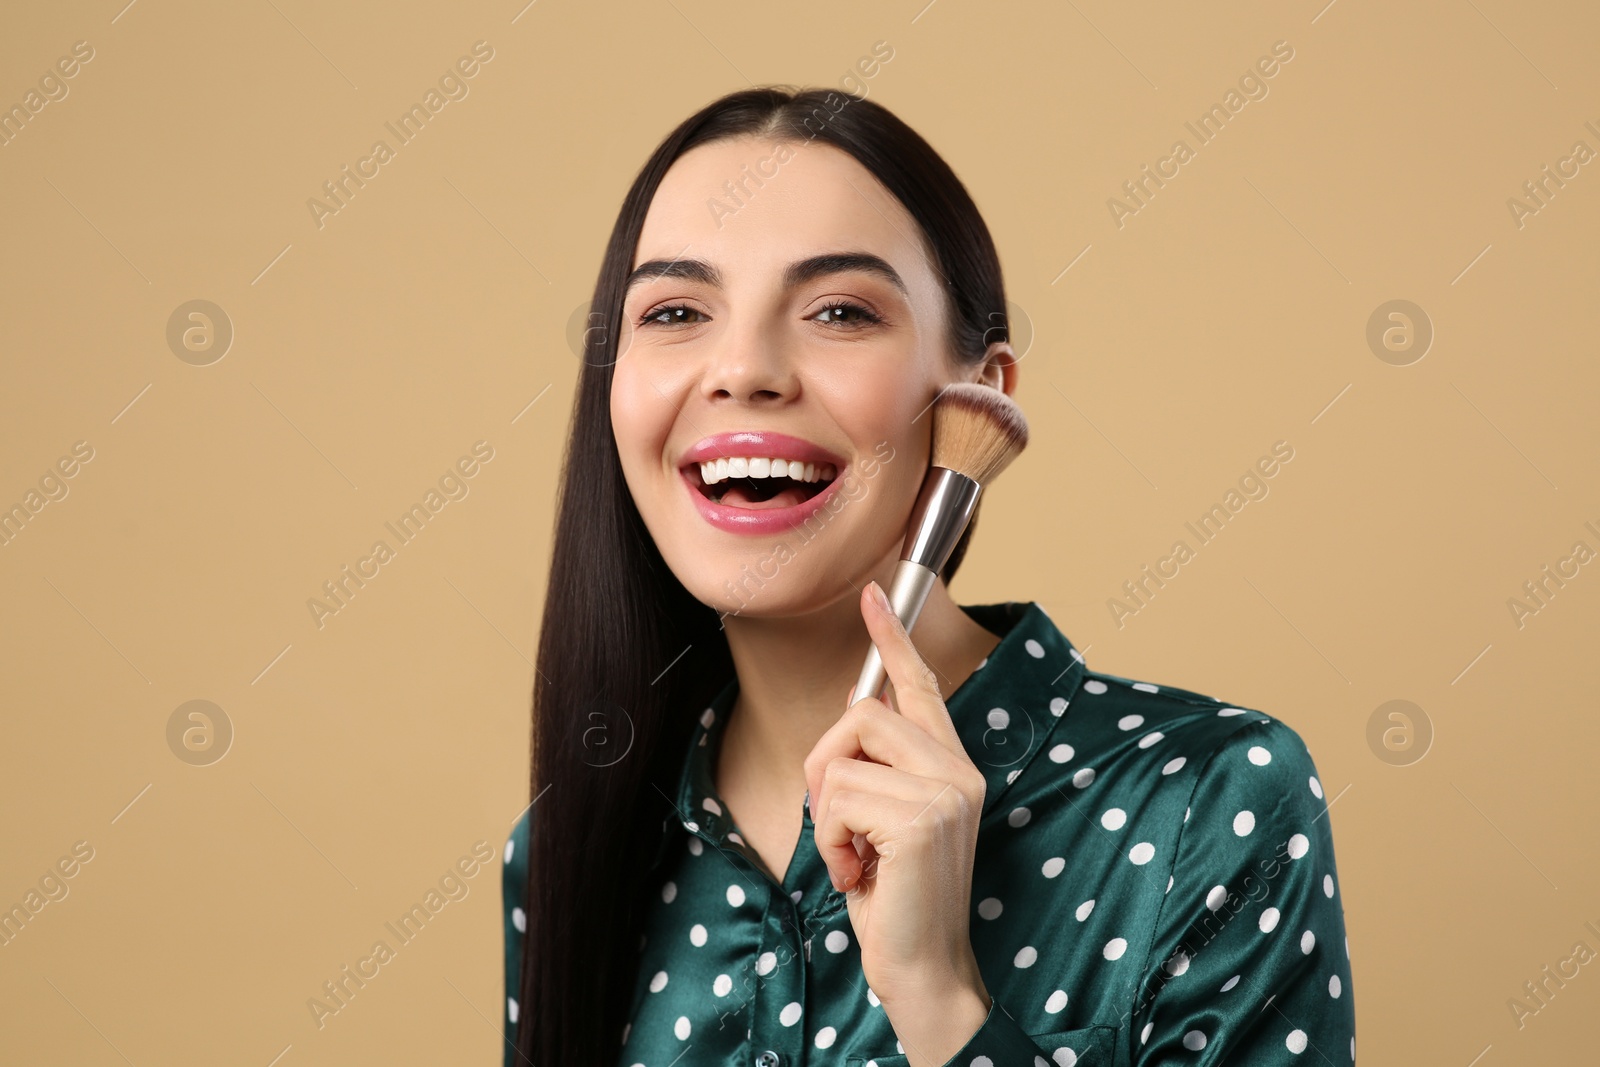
x: 640, y: 420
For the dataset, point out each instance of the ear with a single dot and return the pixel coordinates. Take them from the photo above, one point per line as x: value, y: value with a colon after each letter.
x: 999, y: 368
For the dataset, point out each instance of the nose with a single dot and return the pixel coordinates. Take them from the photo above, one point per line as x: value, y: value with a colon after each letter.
x: 747, y: 365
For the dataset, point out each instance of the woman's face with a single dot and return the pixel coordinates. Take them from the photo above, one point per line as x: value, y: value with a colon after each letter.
x: 741, y: 345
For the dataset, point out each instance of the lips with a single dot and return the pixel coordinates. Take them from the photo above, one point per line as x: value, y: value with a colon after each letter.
x: 759, y: 443
x: 757, y: 481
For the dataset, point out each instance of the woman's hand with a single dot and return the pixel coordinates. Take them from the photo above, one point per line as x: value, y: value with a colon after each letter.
x: 898, y: 830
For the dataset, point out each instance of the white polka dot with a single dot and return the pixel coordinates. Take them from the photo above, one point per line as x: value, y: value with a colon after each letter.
x: 1151, y: 738
x: 1057, y: 1001
x: 826, y: 1036
x: 1347, y: 946
x: 1115, y: 948
x: 1053, y: 866
x: 872, y: 998
x: 1142, y: 853
x: 735, y: 895
x: 1299, y: 844
x: 1244, y: 822
x: 722, y: 985
x: 1095, y: 686
x: 696, y: 846
x: 691, y: 826
x: 519, y: 919
x: 1063, y: 1056
x: 790, y: 1013
x: 1084, y: 909
x: 1026, y: 957
x: 999, y: 718
x: 1011, y: 776
x: 1269, y: 920
x: 511, y: 1008
x: 1178, y: 964
x: 1019, y: 816
x: 1035, y: 649
x: 1128, y: 722
x: 697, y: 935
x: 1217, y: 897
x: 1296, y: 1041
x: 1316, y: 788
x: 1308, y: 941
x: 1082, y: 777
x: 681, y: 1028
x: 1146, y: 687
x: 658, y: 982
x: 990, y: 908
x: 1169, y: 884
x: 1061, y: 753
x: 766, y: 962
x: 669, y: 892
x: 1113, y: 819
x: 1057, y: 706
x: 836, y: 941
x: 708, y: 717
x: 1225, y: 712
x: 733, y: 835
x: 711, y: 805
x: 1259, y: 756
x: 1230, y: 983
x: 1194, y: 1041
x: 1327, y: 886
x: 1173, y: 766
x: 511, y: 846
x: 1144, y: 1035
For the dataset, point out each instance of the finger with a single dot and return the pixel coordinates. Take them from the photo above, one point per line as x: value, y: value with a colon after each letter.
x: 916, y: 687
x: 870, y: 814
x: 869, y: 729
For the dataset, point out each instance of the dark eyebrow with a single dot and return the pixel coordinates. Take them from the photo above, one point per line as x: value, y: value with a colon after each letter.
x: 798, y: 272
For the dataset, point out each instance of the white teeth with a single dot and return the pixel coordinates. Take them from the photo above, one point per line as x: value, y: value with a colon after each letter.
x: 714, y: 471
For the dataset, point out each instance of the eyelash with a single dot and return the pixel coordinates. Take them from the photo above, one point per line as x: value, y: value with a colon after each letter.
x: 867, y: 316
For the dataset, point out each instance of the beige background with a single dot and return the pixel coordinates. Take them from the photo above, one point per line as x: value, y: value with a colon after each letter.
x: 1228, y: 313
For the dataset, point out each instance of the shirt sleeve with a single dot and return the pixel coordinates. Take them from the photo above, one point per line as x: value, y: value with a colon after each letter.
x: 1250, y: 959
x: 513, y: 884
x: 1000, y: 1041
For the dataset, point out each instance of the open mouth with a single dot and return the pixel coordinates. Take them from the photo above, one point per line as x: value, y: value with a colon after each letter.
x: 759, y: 483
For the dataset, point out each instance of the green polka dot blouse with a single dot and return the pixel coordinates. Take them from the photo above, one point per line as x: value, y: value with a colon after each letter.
x: 1154, y: 883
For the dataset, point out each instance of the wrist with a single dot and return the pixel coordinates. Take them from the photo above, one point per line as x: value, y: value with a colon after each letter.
x: 933, y: 1025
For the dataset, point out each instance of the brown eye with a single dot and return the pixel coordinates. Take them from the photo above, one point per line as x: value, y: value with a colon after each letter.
x: 670, y: 315
x: 846, y: 314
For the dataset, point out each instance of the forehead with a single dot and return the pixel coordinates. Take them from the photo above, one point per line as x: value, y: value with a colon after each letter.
x: 757, y: 204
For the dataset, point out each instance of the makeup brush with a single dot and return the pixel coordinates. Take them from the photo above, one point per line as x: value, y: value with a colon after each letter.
x: 977, y: 432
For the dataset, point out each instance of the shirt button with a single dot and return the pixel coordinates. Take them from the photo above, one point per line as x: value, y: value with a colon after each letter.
x: 768, y: 1058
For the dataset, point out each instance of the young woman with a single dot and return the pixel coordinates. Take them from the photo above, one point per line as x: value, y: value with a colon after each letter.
x: 728, y: 859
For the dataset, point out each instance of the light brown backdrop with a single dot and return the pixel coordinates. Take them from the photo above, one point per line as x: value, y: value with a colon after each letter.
x: 1229, y: 312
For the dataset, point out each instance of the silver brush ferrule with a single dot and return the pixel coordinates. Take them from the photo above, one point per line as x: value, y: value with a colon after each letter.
x: 941, y: 513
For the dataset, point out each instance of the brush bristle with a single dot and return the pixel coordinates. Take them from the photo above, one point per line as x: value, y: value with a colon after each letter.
x: 977, y: 430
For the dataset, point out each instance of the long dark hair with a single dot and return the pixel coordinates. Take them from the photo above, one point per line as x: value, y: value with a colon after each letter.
x: 616, y: 694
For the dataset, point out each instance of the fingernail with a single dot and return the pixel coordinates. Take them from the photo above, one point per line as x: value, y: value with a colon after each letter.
x: 878, y: 595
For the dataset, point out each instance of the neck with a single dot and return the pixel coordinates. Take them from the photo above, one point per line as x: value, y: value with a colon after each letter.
x: 795, y: 674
